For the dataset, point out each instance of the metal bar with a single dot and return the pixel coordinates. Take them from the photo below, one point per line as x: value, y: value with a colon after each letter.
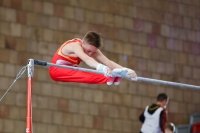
x: 167, y: 83
x: 42, y: 63
x: 75, y: 68
x: 29, y: 107
x: 29, y: 123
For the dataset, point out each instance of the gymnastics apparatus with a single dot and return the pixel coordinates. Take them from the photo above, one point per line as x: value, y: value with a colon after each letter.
x: 30, y: 71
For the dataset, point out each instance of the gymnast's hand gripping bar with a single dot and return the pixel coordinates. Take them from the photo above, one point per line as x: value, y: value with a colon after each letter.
x: 43, y: 63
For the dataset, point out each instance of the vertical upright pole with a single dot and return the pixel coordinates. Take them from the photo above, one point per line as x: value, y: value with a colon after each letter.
x: 30, y: 67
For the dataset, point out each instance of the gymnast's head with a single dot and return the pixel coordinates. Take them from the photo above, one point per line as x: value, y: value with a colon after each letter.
x: 92, y: 41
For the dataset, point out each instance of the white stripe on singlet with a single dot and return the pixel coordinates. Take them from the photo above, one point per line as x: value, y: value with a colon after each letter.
x: 64, y: 62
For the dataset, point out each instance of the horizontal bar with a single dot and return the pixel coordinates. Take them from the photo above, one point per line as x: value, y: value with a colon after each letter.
x: 167, y: 83
x: 75, y: 68
x: 42, y: 63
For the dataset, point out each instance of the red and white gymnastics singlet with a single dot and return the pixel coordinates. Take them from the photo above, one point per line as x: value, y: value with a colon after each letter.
x: 68, y: 75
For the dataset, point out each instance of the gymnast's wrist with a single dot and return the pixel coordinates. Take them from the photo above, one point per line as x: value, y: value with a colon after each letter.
x: 100, y: 67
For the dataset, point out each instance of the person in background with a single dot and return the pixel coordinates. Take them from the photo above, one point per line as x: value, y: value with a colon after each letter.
x: 154, y: 117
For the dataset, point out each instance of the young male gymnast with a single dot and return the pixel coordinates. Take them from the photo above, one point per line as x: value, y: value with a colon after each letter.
x: 72, y: 52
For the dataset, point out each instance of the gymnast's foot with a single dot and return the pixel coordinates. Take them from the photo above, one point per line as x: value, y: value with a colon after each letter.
x: 115, y: 80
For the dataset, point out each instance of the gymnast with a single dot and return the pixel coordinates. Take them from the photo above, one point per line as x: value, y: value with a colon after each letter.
x: 72, y: 52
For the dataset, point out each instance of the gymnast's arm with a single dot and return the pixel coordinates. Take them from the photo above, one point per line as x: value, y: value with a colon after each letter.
x: 142, y: 117
x: 104, y: 60
x: 78, y: 50
x: 112, y: 65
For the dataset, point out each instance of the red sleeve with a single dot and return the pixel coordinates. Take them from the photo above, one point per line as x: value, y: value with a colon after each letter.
x: 163, y: 119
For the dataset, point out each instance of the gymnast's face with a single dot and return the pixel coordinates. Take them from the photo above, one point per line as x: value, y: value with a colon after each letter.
x: 164, y: 103
x: 88, y: 48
